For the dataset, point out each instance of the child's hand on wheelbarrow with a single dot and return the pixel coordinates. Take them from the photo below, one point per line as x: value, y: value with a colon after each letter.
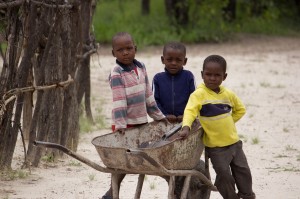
x: 171, y: 118
x: 183, y: 134
x: 179, y: 118
x: 165, y: 121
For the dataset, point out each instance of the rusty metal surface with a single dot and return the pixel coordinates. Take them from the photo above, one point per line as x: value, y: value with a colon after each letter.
x: 116, y: 149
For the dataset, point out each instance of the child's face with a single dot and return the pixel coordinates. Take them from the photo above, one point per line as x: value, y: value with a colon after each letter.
x: 174, y: 60
x: 124, y: 50
x: 213, y: 75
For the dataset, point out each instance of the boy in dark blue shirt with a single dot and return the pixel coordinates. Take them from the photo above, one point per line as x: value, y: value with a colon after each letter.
x: 172, y: 90
x: 173, y: 87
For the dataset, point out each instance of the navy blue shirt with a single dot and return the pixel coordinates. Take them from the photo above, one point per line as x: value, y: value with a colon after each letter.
x: 171, y: 92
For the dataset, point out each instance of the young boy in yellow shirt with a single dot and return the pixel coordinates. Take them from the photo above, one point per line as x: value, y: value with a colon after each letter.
x: 218, y: 108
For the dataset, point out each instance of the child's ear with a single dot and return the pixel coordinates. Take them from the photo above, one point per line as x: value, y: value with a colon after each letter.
x: 225, y: 75
x: 135, y: 48
x: 112, y: 52
x: 162, y: 59
x: 185, y: 60
x: 202, y: 74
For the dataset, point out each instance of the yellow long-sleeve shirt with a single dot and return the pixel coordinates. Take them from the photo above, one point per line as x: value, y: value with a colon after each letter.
x: 217, y: 113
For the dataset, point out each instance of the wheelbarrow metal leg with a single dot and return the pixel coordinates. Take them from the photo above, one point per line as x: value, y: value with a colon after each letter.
x: 186, y: 186
x: 115, y: 185
x: 171, y: 187
x: 139, y: 186
x: 207, y: 173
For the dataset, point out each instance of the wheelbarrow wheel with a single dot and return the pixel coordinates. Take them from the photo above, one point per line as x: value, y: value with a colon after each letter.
x: 197, y: 188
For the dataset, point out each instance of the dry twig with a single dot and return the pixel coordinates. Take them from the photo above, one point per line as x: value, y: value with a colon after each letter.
x: 20, y: 2
x: 51, y: 5
x: 11, y: 4
x: 12, y: 94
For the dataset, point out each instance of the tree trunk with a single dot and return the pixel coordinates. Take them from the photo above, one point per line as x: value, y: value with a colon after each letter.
x: 178, y: 11
x: 169, y: 7
x: 70, y: 114
x: 10, y: 77
x: 230, y: 11
x: 83, y: 74
x: 27, y: 108
x: 145, y: 7
x: 297, y: 3
x: 257, y: 7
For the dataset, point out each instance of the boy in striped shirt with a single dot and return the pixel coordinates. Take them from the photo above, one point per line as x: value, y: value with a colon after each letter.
x: 133, y: 99
x: 132, y: 95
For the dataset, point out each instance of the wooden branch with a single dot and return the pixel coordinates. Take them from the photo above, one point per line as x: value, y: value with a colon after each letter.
x: 11, y: 4
x: 20, y: 2
x: 11, y: 98
x: 51, y: 5
x: 88, y: 53
x: 12, y: 94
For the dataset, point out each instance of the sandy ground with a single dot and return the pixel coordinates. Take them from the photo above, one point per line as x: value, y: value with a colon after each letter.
x: 264, y: 72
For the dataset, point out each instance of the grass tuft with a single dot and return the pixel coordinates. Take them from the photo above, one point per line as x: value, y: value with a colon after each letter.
x: 14, y: 174
x: 255, y: 140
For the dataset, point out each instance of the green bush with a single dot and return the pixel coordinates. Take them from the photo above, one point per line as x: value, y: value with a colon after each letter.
x: 125, y: 16
x: 206, y: 21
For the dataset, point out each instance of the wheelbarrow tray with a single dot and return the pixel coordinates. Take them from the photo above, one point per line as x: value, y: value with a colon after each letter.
x: 115, y: 149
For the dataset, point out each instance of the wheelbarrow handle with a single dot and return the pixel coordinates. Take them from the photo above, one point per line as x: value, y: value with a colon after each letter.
x: 76, y: 156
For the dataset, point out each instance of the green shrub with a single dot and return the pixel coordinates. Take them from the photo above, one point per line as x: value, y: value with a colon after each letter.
x: 206, y: 21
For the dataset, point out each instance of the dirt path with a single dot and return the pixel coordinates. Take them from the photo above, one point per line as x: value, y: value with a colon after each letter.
x: 264, y: 72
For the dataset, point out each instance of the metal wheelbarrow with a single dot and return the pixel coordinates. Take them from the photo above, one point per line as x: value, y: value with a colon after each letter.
x: 125, y: 154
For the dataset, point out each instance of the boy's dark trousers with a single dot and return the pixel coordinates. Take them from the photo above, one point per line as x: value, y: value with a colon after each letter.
x: 231, y: 167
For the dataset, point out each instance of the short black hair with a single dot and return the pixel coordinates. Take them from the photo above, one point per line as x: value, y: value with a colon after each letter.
x: 121, y: 34
x: 217, y: 59
x: 175, y: 45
